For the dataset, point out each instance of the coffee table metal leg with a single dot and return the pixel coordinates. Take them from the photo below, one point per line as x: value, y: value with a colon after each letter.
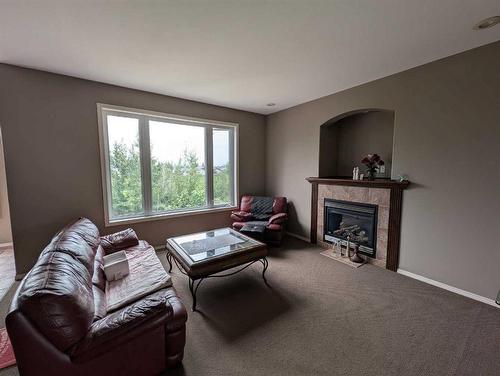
x: 193, y: 288
x: 169, y: 259
x: 265, y: 263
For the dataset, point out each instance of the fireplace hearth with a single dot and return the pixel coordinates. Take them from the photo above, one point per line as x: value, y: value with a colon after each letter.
x: 356, y: 220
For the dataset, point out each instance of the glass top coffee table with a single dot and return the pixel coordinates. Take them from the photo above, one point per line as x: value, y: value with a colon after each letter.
x: 207, y: 254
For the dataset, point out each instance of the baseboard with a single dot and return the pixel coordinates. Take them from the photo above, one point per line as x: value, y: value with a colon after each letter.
x: 5, y: 245
x: 456, y: 290
x: 160, y: 248
x: 298, y: 236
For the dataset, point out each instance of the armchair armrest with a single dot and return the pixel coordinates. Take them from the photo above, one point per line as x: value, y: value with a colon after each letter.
x: 278, y: 219
x: 241, y: 216
x: 160, y: 308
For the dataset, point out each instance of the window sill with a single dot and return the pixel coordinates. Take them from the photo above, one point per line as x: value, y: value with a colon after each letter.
x: 159, y: 217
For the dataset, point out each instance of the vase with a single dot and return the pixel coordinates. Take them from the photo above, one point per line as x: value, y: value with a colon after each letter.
x: 370, y: 173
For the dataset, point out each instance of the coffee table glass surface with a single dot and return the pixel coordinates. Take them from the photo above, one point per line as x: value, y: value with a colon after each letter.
x: 208, y: 254
x: 213, y: 244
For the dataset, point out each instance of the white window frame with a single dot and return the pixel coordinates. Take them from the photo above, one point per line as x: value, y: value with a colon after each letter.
x: 143, y: 116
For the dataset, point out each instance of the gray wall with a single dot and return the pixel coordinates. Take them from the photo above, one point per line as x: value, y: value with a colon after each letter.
x: 49, y: 126
x: 5, y: 231
x: 329, y: 150
x: 362, y: 134
x: 447, y: 137
x: 344, y: 142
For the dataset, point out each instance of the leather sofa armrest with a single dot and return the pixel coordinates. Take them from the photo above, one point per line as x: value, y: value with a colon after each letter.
x: 278, y: 219
x: 160, y: 308
x: 241, y: 216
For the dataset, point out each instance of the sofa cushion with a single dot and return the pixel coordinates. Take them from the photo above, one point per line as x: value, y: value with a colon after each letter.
x: 56, y: 295
x: 88, y: 231
x: 99, y: 303
x: 124, y: 324
x: 99, y: 278
x: 146, y: 275
x: 119, y: 240
x: 79, y: 239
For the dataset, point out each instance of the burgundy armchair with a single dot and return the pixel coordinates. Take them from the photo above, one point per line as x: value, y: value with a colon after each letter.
x: 270, y: 212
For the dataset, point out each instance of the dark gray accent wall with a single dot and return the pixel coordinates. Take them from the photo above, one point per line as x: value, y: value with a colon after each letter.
x: 446, y: 139
x: 344, y: 142
x: 50, y: 134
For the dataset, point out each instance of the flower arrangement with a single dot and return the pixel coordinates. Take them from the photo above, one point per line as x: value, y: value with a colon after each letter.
x: 372, y: 163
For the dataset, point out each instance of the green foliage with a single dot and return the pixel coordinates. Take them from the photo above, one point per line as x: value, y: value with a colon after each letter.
x: 178, y: 186
x: 126, y: 187
x: 174, y: 186
x: 222, y: 187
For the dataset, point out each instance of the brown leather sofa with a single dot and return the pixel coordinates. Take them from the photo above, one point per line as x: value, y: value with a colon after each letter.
x: 58, y: 322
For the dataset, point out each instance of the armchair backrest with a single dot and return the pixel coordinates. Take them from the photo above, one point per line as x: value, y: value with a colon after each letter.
x: 280, y: 205
x: 277, y: 204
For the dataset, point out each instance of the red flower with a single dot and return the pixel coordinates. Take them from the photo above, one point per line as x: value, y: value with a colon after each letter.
x: 372, y: 160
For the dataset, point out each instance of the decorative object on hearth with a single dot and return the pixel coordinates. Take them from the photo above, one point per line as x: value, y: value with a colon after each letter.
x: 335, y: 248
x: 355, y: 234
x: 372, y: 163
x: 355, y: 256
x: 355, y: 173
x: 344, y: 260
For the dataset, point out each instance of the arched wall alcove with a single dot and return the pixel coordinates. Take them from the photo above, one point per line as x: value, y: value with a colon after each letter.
x: 347, y: 138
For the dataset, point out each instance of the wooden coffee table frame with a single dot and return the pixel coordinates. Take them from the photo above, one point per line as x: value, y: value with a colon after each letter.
x: 213, y: 268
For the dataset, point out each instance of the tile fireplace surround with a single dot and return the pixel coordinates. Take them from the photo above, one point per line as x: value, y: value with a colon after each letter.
x: 386, y: 194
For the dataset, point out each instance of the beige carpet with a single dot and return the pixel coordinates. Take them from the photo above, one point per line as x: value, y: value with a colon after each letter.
x: 7, y: 270
x: 324, y: 318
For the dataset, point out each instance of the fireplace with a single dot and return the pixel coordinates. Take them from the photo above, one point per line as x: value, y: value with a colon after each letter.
x: 358, y: 220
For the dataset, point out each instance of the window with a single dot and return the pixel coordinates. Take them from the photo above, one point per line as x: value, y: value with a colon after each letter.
x: 162, y: 165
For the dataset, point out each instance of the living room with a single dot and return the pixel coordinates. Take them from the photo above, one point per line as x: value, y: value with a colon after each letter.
x: 333, y: 161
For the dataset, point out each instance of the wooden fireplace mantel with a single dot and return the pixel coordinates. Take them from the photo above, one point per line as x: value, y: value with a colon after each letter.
x: 377, y: 183
x: 396, y: 197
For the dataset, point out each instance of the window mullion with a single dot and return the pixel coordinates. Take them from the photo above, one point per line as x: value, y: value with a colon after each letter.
x: 209, y: 165
x: 145, y: 147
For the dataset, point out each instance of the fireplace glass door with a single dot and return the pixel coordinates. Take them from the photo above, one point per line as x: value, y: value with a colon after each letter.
x: 354, y: 220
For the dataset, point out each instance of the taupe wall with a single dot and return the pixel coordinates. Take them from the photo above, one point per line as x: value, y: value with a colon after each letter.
x: 344, y: 142
x: 363, y: 134
x: 5, y: 231
x: 447, y: 137
x: 329, y: 150
x: 49, y: 125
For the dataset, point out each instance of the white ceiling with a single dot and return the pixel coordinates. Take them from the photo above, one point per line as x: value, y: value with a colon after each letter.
x: 240, y: 54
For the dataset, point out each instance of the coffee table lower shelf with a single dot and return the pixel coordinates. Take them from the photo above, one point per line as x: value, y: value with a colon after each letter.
x: 195, y: 282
